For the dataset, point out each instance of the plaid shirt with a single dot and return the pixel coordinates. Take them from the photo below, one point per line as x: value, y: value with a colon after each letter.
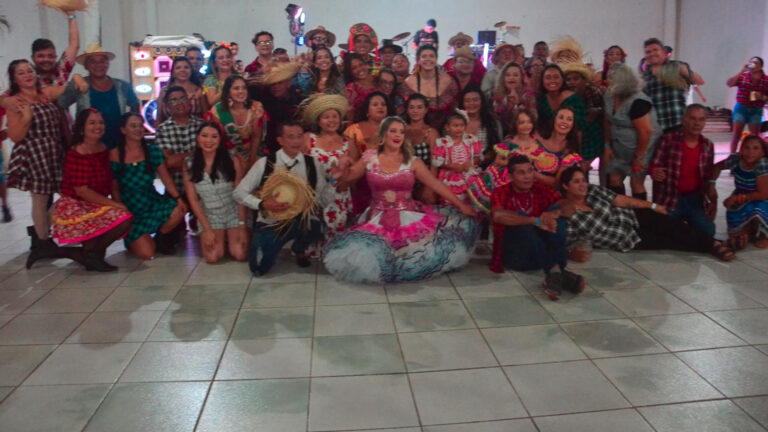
x: 178, y: 139
x: 90, y: 170
x: 746, y: 86
x: 60, y: 74
x: 539, y: 198
x: 669, y: 155
x: 606, y: 226
x: 669, y: 102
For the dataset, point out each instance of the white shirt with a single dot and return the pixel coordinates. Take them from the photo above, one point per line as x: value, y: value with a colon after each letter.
x: 252, y: 181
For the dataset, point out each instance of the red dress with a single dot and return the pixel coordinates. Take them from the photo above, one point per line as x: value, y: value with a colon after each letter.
x: 75, y: 220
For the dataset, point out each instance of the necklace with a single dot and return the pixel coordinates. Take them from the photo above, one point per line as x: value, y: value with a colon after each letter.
x: 524, y: 205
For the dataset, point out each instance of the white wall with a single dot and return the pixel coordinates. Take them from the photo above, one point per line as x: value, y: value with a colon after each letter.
x: 715, y: 35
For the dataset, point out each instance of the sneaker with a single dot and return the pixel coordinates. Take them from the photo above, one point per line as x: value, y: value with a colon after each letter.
x: 573, y: 282
x: 553, y: 285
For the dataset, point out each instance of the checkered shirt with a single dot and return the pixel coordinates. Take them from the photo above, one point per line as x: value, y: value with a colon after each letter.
x: 606, y: 226
x: 669, y: 155
x: 746, y: 86
x: 178, y: 139
x: 668, y: 101
x: 90, y: 170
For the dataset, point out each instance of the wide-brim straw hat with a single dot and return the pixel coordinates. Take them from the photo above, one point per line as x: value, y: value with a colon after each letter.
x: 94, y: 49
x: 292, y: 190
x: 578, y: 67
x: 279, y: 72
x: 314, y: 106
x: 65, y: 5
x: 320, y: 29
x: 459, y: 36
x: 568, y: 46
x: 465, y: 52
x: 500, y: 47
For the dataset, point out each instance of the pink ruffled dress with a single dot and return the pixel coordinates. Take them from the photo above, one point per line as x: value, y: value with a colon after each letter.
x: 447, y: 151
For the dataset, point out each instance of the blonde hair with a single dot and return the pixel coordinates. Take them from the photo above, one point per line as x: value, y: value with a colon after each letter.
x: 406, y: 149
x: 501, y: 91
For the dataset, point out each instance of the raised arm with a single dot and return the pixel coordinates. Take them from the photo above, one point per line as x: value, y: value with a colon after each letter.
x: 74, y: 38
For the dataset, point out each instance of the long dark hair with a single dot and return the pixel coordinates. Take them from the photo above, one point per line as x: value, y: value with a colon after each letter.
x: 78, y: 130
x: 572, y: 138
x: 194, y: 76
x: 148, y: 167
x: 394, y: 77
x: 225, y: 98
x: 14, y: 88
x: 415, y: 97
x: 362, y: 113
x: 348, y: 66
x: 604, y: 72
x: 333, y: 76
x: 543, y: 91
x: 487, y: 118
x: 222, y: 161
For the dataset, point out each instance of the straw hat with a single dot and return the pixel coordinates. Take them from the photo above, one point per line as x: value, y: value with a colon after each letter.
x: 565, y: 49
x: 279, y: 72
x: 94, y: 49
x: 500, y: 47
x: 314, y: 106
x: 459, y: 36
x: 578, y: 67
x: 290, y: 189
x: 64, y: 5
x: 320, y: 29
x: 465, y: 52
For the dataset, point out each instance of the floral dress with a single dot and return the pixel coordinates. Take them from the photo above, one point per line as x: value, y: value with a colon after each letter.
x: 446, y: 151
x: 335, y: 214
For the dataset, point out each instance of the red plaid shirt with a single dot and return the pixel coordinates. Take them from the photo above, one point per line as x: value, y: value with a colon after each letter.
x: 540, y: 198
x: 746, y: 86
x: 60, y: 74
x: 669, y: 156
x: 90, y: 170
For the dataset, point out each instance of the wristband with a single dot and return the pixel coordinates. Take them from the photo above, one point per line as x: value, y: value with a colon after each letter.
x: 73, y: 16
x: 653, y: 206
x: 713, y: 181
x: 538, y: 222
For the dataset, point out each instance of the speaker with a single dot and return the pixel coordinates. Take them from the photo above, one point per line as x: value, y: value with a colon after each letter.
x: 486, y: 37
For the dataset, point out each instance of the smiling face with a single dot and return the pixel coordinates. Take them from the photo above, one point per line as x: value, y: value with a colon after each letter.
x: 329, y: 121
x: 24, y: 75
x: 223, y: 60
x: 578, y: 187
x: 755, y: 64
x: 45, y: 60
x: 464, y: 65
x: 264, y: 45
x: 181, y: 71
x: 94, y: 127
x: 196, y: 59
x: 614, y: 55
x: 377, y: 109
x: 178, y: 104
x: 209, y: 139
x: 524, y: 125
x: 654, y: 54
x: 359, y: 70
x: 417, y: 110
x: 291, y: 140
x: 133, y: 129
x: 401, y: 65
x: 387, y: 83
x: 472, y: 102
x: 238, y: 93
x: 513, y: 78
x: 363, y: 45
x: 427, y: 60
x: 97, y: 65
x: 564, y: 121
x: 323, y: 60
x: 552, y: 80
x: 394, y: 136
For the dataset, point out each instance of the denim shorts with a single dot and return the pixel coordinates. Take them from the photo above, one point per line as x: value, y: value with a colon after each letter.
x: 747, y: 115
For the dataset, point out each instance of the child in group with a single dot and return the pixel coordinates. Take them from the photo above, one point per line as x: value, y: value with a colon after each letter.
x: 457, y: 155
x: 481, y: 186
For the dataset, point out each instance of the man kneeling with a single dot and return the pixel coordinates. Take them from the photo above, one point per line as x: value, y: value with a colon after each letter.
x: 268, y: 238
x: 526, y: 232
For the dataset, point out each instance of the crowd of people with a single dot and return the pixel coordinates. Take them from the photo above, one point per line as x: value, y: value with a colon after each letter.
x: 406, y: 167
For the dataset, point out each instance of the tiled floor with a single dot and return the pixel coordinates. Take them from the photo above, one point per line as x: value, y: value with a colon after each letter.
x: 658, y: 342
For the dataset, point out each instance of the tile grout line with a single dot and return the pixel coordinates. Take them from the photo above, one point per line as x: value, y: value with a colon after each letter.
x: 312, y: 347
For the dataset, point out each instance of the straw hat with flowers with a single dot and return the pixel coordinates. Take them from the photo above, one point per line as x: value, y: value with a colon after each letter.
x: 314, y: 106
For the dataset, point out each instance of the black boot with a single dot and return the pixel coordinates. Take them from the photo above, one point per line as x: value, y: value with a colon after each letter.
x: 32, y: 236
x: 164, y: 243
x: 7, y: 216
x: 94, y: 261
x: 41, y: 249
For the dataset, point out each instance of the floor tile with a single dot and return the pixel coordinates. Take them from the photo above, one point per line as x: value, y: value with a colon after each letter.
x: 193, y: 325
x: 166, y: 407
x: 50, y: 408
x: 563, y: 388
x: 431, y: 315
x: 757, y: 407
x: 763, y: 348
x: 265, y: 358
x: 750, y: 324
x: 340, y: 293
x: 353, y: 319
x: 532, y: 344
x: 174, y: 361
x: 479, y: 282
x: 647, y: 301
x: 621, y: 420
x: 439, y: 288
x: 103, y: 327
x: 711, y: 416
x: 612, y: 338
x: 464, y: 396
x: 442, y: 350
x: 756, y: 290
x: 144, y: 298
x: 361, y: 402
x: 84, y: 364
x: 689, y: 272
x: 273, y: 323
x: 158, y: 275
x: 16, y: 301
x: 688, y: 332
x: 265, y: 405
x: 39, y: 328
x: 507, y: 311
x: 226, y: 273
x: 214, y: 296
x: 735, y: 372
x: 43, y: 278
x: 70, y: 300
x: 656, y: 379
x: 16, y: 362
x: 712, y: 296
x: 4, y: 318
x: 589, y: 305
x: 614, y: 278
x: 356, y: 355
x: 268, y: 295
x: 5, y: 391
x: 82, y: 278
x: 522, y: 425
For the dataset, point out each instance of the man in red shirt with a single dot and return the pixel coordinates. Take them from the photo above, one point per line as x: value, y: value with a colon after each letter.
x: 526, y: 232
x: 681, y: 171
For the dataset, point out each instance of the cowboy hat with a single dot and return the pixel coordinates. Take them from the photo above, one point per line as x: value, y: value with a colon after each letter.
x: 389, y: 43
x: 320, y: 29
x: 452, y: 41
x: 279, y: 73
x: 94, y: 49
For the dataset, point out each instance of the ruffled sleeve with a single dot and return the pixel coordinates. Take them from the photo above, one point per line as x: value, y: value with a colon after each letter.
x: 570, y: 159
x: 441, y: 152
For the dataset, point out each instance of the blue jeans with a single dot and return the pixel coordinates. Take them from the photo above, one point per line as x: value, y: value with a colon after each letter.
x: 270, y: 240
x: 690, y: 208
x: 530, y: 248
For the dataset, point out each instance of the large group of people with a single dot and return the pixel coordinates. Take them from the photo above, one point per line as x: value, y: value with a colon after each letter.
x: 384, y: 171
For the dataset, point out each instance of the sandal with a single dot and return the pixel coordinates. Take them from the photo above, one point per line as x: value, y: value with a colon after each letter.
x: 723, y: 252
x: 761, y: 242
x: 736, y: 243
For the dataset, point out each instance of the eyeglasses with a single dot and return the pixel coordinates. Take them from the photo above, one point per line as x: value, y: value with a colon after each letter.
x: 320, y: 39
x: 265, y: 43
x: 177, y: 101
